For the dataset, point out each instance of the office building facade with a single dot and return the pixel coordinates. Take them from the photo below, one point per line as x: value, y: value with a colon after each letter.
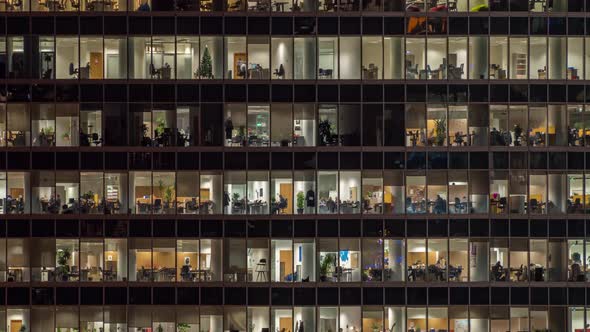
x: 294, y: 165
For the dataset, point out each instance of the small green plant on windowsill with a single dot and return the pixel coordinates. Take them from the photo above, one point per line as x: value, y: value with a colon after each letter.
x: 300, y: 202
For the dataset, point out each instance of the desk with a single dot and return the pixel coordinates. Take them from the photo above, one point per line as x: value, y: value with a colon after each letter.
x: 280, y: 6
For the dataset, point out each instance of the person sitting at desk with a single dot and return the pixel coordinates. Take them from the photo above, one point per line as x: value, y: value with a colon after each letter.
x: 576, y: 268
x: 498, y: 272
x: 144, y: 6
x: 439, y: 205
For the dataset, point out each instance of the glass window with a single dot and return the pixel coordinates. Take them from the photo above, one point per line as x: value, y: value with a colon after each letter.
x: 304, y: 260
x: 187, y: 259
x: 67, y: 265
x: 163, y: 121
x: 282, y: 54
x: 557, y: 57
x: 210, y: 261
x: 236, y: 62
x: 416, y: 319
x: 416, y: 124
x: 437, y: 62
x: 258, y: 260
x: 187, y: 57
x: 43, y: 124
x: 141, y: 192
x: 140, y: 260
x: 258, y: 53
x: 187, y: 200
x: 328, y: 57
x: 349, y: 197
x: 436, y: 125
x: 140, y: 57
x: 328, y: 125
x: 459, y: 133
x: 115, y: 50
x: 372, y: 259
x: 163, y: 260
x: 67, y: 59
x: 519, y: 56
x: 304, y: 186
x: 90, y: 125
x: 372, y: 192
x: 519, y: 260
x: 349, y: 125
x: 499, y: 58
x: 281, y: 131
x: 234, y: 260
x: 393, y: 59
x: 19, y: 126
x: 187, y: 125
x: 438, y: 318
x: 235, y: 192
x: 372, y: 51
x: 258, y: 192
x: 305, y: 58
x: 18, y: 195
x: 211, y: 63
x: 478, y: 260
x: 115, y: 256
x: 211, y: 197
x: 416, y: 58
x: 92, y: 57
x: 478, y: 56
x: 393, y: 193
x: 328, y: 192
x: 281, y: 258
x: 258, y: 131
x: 235, y: 124
x: 281, y: 196
x: 499, y: 259
x: 66, y: 125
x: 91, y: 264
x: 163, y: 55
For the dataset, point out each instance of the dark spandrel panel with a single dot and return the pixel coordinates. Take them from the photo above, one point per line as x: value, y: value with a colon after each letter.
x: 140, y: 160
x: 67, y: 161
x: 115, y: 25
x: 575, y: 25
x: 164, y: 295
x: 459, y: 295
x: 282, y: 26
x: 258, y: 296
x: 557, y: 93
x: 140, y: 295
x: 66, y: 296
x: 438, y: 228
x: 575, y: 93
x: 575, y: 296
x: 282, y: 93
x: 18, y: 228
x: 327, y: 25
x: 478, y: 93
x: 350, y: 228
x: 235, y: 228
x: 91, y: 25
x: 500, y: 228
x: 115, y: 93
x: 163, y: 93
x: 327, y: 93
x: 575, y: 228
x: 115, y: 295
x: 187, y: 25
x: 258, y: 228
x: 235, y: 25
x: 140, y: 228
x: 372, y: 25
x: 500, y: 295
x: 538, y: 25
x: 258, y: 25
x: 17, y: 296
x: 91, y: 228
x: 43, y: 25
x: 304, y: 296
x: 327, y: 296
x: 211, y: 25
x: 326, y: 228
x: 116, y: 228
x: 235, y: 93
x: 395, y: 295
x: 258, y: 93
x: 557, y: 160
x: 479, y: 295
x: 115, y: 160
x: 518, y: 160
x: 43, y: 228
x: 282, y: 160
x: 304, y: 93
x: 557, y: 296
x: 350, y: 160
x: 438, y: 296
x: 140, y: 93
x: 519, y: 228
x: 350, y: 296
x: 395, y: 228
x: 140, y: 25
x: 417, y: 295
x: 164, y: 228
x: 416, y: 228
x: 458, y: 26
x: 557, y: 25
x: 327, y: 160
x: 187, y: 295
x: 478, y: 160
x: 42, y: 92
x: 304, y: 228
x: 91, y: 92
x: 91, y: 296
x: 393, y: 26
x: 44, y: 296
x: 481, y: 26
x: 307, y: 25
x: 538, y: 228
x: 235, y: 160
x: 500, y: 160
x: 350, y: 25
x: 67, y: 228
x: 43, y: 160
x: 350, y: 93
x: 164, y: 161
x: 187, y: 160
x: 282, y: 228
x: 540, y: 296
x: 17, y: 25
x: 479, y: 227
x: 281, y: 296
x: 557, y: 228
x: 163, y: 25
x: 538, y: 160
x: 372, y: 93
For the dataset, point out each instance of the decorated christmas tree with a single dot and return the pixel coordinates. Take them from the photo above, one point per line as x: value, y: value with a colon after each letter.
x: 206, y: 68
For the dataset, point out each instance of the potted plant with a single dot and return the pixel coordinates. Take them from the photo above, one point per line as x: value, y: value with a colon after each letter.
x: 22, y: 329
x: 159, y: 328
x: 325, y: 131
x: 375, y: 327
x: 325, y: 265
x: 300, y: 202
x: 63, y: 269
x: 168, y: 197
x: 182, y: 327
x: 440, y: 132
